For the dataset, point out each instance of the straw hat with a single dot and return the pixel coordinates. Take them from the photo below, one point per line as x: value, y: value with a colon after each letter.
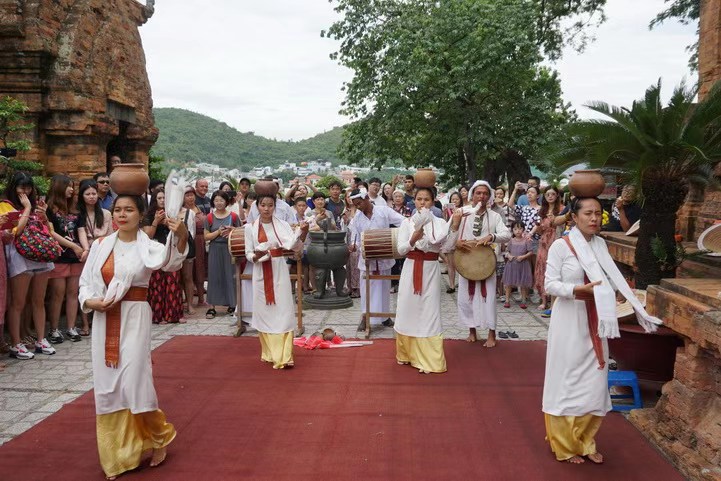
x: 710, y: 240
x: 625, y: 309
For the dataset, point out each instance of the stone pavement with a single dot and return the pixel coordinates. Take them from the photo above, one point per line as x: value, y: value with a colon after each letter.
x: 32, y: 390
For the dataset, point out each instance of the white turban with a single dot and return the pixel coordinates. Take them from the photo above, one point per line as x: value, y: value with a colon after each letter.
x: 362, y: 194
x: 477, y: 184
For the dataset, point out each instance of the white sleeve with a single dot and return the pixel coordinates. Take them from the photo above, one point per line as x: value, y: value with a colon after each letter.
x: 404, y: 238
x: 394, y: 217
x: 89, y: 289
x: 175, y: 259
x: 553, y: 282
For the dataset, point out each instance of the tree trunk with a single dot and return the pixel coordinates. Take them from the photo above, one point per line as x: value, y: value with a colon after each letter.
x: 516, y: 167
x: 462, y: 168
x: 663, y: 198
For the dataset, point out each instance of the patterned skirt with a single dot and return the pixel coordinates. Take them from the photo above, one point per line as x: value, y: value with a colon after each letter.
x: 165, y: 295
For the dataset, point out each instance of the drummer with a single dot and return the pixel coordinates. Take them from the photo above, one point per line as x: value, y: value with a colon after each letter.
x: 373, y: 216
x: 477, y: 299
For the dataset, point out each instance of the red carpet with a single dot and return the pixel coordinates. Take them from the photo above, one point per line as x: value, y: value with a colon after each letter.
x: 338, y: 415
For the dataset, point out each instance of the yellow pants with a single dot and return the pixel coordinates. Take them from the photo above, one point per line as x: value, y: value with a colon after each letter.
x: 571, y: 436
x: 423, y: 353
x: 124, y: 436
x: 277, y: 349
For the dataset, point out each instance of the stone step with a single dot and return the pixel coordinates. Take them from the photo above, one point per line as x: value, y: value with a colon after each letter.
x: 704, y: 290
x: 687, y: 316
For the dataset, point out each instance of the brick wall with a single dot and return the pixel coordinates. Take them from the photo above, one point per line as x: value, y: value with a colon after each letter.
x: 69, y: 59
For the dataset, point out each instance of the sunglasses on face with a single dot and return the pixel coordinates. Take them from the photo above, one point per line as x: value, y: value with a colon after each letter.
x: 103, y: 182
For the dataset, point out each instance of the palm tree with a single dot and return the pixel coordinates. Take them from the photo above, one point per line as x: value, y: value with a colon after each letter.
x: 663, y: 150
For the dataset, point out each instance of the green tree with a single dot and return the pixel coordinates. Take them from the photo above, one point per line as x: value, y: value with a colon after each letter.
x: 13, y: 123
x: 324, y: 182
x: 663, y: 149
x: 157, y: 167
x: 455, y: 84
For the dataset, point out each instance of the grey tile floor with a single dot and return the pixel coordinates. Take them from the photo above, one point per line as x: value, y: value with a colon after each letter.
x: 32, y: 390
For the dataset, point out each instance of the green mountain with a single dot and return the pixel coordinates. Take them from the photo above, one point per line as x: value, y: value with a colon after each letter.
x: 187, y: 136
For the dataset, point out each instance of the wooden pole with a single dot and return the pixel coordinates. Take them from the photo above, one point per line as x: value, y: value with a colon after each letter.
x: 239, y: 296
x: 367, y: 314
x: 299, y: 296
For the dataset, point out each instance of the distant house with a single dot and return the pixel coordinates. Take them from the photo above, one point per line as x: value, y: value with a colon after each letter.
x: 347, y: 176
x: 312, y: 179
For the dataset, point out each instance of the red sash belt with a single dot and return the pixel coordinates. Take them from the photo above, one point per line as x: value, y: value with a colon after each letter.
x: 278, y: 252
x: 592, y: 315
x: 267, y: 269
x: 418, y: 258
x: 112, y: 315
x: 472, y: 289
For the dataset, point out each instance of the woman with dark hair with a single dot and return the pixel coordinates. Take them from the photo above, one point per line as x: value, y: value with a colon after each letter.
x: 550, y: 209
x: 24, y: 274
x: 387, y: 194
x: 419, y: 331
x: 64, y: 278
x: 463, y: 190
x: 193, y: 219
x: 583, y: 276
x: 94, y: 222
x: 273, y: 306
x: 165, y: 291
x: 114, y: 284
x: 221, y: 271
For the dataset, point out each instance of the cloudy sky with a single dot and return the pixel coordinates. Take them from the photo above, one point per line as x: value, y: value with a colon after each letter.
x: 261, y: 66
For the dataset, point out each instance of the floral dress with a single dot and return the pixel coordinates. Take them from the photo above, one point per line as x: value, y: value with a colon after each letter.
x: 548, y: 234
x: 530, y: 218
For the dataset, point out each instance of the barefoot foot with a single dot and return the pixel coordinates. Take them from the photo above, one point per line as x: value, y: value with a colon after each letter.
x: 491, y: 341
x: 158, y: 456
x: 576, y: 460
x: 596, y: 458
x: 472, y: 336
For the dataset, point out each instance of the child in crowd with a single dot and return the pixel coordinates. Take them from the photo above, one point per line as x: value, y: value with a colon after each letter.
x: 517, y: 272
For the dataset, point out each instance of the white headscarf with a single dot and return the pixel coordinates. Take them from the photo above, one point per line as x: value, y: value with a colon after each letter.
x: 362, y: 194
x: 477, y: 184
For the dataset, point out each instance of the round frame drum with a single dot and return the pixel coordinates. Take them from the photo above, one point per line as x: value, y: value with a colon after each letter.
x: 477, y: 264
x: 380, y: 244
x: 236, y: 242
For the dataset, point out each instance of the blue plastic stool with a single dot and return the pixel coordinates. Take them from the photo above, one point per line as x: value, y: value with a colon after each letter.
x: 628, y: 379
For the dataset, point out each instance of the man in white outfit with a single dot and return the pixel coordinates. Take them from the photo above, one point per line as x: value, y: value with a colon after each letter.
x: 477, y: 299
x: 372, y: 216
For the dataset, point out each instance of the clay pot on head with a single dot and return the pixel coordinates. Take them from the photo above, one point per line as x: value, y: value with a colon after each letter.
x: 586, y: 183
x: 266, y: 187
x: 129, y: 179
x: 425, y: 178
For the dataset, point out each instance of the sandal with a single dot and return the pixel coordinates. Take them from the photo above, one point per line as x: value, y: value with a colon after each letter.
x: 84, y: 332
x: 512, y: 334
x: 231, y: 310
x: 210, y: 314
x: 523, y: 305
x: 503, y: 335
x: 507, y: 305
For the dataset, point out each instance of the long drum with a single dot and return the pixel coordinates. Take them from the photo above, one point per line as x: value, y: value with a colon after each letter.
x: 236, y: 242
x: 380, y: 244
x: 477, y: 264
